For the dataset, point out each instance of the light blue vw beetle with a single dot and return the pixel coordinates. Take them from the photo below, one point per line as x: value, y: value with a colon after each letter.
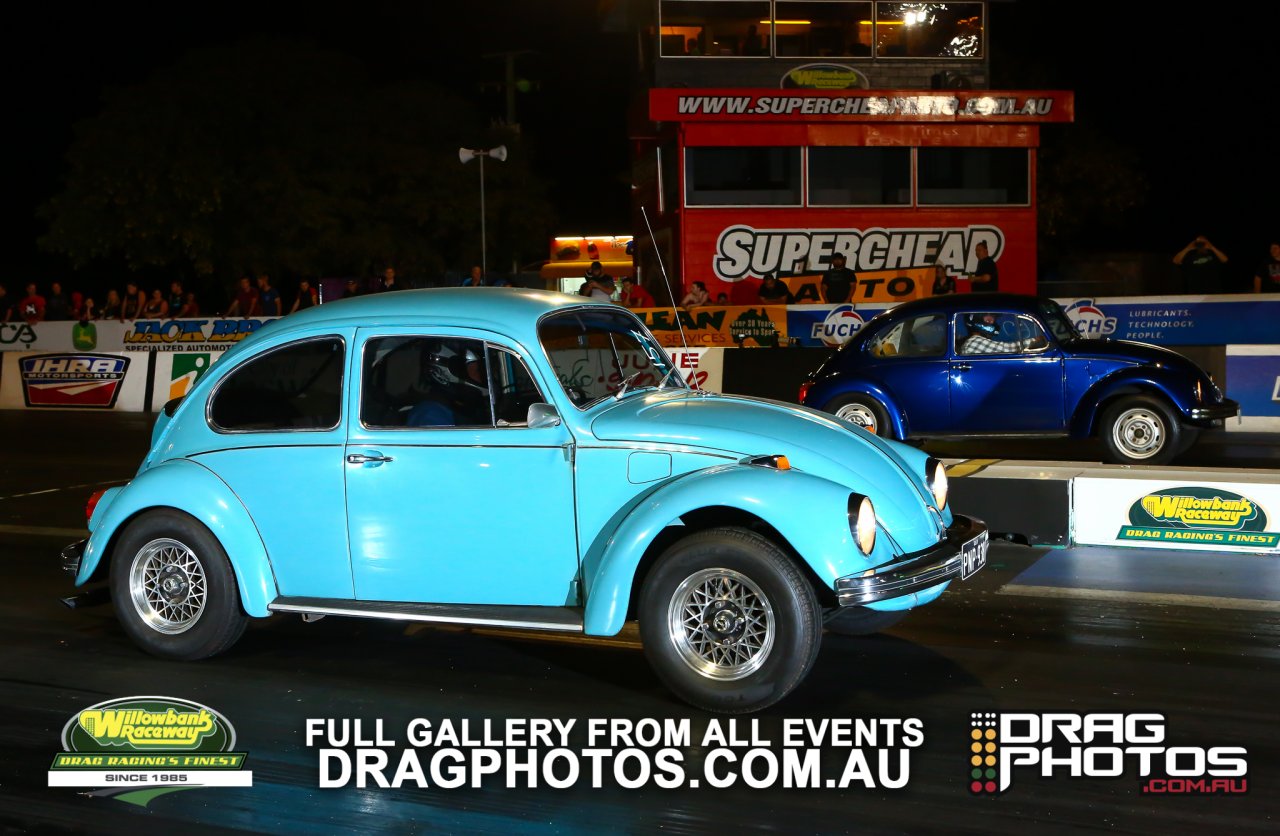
x: 522, y: 459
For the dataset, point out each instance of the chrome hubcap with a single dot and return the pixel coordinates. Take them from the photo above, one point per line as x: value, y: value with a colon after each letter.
x: 1139, y: 432
x: 721, y: 624
x: 858, y: 414
x: 167, y: 586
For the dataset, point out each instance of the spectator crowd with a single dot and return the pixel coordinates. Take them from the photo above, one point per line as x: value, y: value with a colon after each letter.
x: 1200, y: 261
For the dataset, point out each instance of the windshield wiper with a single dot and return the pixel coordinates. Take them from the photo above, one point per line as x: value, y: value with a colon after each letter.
x: 622, y: 390
x: 662, y: 383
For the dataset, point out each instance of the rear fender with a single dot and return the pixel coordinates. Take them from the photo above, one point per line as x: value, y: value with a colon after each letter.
x: 183, y: 485
x: 899, y: 428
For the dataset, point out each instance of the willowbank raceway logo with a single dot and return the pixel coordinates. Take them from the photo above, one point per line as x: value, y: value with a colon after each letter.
x: 1070, y: 745
x: 136, y: 748
x: 1211, y: 516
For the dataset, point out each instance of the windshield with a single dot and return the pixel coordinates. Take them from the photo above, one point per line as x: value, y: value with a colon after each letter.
x: 1059, y: 325
x: 599, y: 352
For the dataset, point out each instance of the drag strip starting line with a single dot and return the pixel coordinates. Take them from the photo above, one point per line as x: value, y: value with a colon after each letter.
x: 1166, y: 598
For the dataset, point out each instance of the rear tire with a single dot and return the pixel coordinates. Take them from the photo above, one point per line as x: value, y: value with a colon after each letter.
x: 863, y: 410
x: 728, y: 621
x: 173, y: 587
x: 860, y: 621
x: 1141, y: 429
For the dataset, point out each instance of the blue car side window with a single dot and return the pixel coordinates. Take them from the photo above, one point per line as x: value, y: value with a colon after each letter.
x: 922, y: 336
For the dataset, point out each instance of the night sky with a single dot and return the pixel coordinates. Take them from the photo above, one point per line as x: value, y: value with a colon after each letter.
x: 1196, y: 98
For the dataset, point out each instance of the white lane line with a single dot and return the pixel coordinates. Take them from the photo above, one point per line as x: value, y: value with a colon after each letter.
x: 1166, y: 598
x: 44, y: 530
x: 68, y: 488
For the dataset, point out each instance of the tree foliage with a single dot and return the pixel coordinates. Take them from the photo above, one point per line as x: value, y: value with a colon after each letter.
x: 282, y: 157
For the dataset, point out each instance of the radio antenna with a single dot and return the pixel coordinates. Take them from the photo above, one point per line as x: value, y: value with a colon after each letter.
x: 675, y: 309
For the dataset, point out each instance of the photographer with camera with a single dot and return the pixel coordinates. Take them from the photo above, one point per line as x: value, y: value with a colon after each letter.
x: 1201, y: 264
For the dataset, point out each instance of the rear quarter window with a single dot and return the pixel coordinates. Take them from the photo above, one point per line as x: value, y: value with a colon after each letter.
x: 293, y: 387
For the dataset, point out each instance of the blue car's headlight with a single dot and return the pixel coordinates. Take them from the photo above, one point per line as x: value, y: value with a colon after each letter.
x: 862, y: 522
x: 935, y: 476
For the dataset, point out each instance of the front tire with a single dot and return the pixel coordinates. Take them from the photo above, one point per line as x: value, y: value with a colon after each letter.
x: 728, y: 621
x: 1141, y: 430
x: 863, y: 410
x: 173, y: 588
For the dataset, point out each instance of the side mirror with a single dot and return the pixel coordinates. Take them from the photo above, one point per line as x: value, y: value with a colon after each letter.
x: 171, y: 407
x: 542, y: 415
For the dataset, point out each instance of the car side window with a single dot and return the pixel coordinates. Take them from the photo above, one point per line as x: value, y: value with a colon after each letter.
x: 921, y: 336
x: 425, y: 382
x: 992, y: 332
x: 295, y: 387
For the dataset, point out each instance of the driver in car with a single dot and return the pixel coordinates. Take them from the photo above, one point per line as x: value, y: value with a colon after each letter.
x: 986, y: 336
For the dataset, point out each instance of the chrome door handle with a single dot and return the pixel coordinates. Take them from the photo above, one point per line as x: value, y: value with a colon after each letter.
x: 962, y: 367
x: 361, y: 458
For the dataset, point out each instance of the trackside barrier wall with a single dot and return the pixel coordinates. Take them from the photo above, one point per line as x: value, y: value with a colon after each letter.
x: 138, y: 365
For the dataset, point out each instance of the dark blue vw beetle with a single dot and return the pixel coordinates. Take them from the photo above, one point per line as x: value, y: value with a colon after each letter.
x: 1001, y: 364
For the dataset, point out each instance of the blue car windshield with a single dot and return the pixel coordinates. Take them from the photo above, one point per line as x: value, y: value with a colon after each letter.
x: 1057, y: 321
x: 599, y: 352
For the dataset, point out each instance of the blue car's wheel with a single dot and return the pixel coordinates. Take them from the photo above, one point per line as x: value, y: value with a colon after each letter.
x: 1141, y: 430
x: 863, y: 410
x: 173, y: 588
x: 728, y: 621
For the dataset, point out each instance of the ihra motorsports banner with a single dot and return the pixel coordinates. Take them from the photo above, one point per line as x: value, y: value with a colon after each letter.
x: 1181, y: 514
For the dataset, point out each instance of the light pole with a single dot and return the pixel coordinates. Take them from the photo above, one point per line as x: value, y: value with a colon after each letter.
x: 467, y: 155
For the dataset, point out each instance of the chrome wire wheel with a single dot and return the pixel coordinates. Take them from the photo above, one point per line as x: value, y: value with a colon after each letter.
x: 860, y: 414
x: 168, y: 586
x: 1139, y: 432
x: 721, y: 624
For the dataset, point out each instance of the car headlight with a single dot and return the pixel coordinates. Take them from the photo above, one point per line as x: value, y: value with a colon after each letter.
x: 935, y: 474
x: 862, y: 522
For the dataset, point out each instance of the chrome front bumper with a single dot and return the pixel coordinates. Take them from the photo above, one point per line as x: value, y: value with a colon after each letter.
x: 914, y: 572
x: 1227, y: 409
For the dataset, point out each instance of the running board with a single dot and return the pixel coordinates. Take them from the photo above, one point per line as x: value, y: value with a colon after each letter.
x: 567, y: 619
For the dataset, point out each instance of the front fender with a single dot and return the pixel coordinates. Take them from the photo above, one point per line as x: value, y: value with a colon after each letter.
x: 194, y: 489
x: 810, y: 512
x: 1148, y: 380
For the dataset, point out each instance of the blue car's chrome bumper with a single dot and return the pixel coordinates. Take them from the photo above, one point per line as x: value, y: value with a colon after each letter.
x: 1215, y: 412
x: 960, y: 553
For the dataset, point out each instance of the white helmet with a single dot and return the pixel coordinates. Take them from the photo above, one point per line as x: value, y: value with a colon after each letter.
x: 452, y: 368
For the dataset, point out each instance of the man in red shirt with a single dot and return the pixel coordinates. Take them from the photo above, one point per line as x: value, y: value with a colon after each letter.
x: 31, y: 308
x: 635, y: 296
x: 246, y: 301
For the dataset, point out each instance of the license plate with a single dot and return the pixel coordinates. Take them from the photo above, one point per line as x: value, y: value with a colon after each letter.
x: 973, y: 556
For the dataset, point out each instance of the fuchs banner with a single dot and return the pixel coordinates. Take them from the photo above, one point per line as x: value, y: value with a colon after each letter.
x: 764, y: 105
x: 1179, y: 320
x: 1253, y: 373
